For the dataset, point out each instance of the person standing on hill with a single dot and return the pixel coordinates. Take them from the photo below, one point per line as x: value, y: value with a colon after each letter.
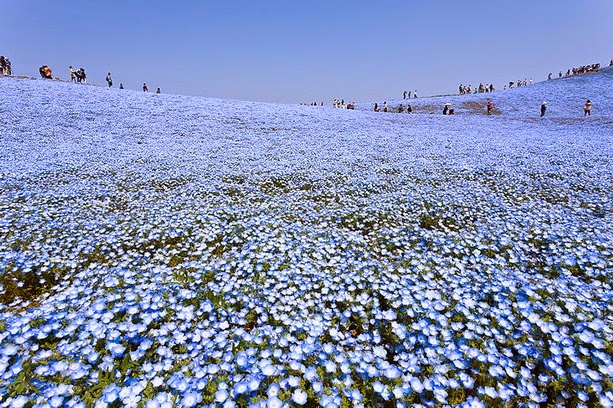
x: 384, y: 106
x: 7, y: 66
x: 145, y: 89
x: 543, y: 108
x: 159, y: 91
x: 121, y: 85
x: 2, y: 65
x: 109, y: 80
x: 404, y: 95
x: 376, y: 107
x: 490, y: 107
x: 73, y: 77
x: 587, y: 108
x: 415, y: 94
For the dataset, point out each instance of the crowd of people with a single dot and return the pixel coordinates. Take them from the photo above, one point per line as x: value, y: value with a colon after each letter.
x: 79, y: 75
x: 407, y: 94
x: 5, y: 66
x: 584, y: 69
x: 340, y: 103
x: 336, y: 103
x: 399, y: 109
x: 518, y: 83
x: 468, y: 89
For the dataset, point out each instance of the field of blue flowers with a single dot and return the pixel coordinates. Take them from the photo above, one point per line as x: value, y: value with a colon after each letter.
x: 160, y: 250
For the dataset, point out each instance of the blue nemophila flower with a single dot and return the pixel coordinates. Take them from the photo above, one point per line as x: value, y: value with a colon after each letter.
x: 299, y: 397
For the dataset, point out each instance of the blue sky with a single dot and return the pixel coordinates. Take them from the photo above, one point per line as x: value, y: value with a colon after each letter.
x: 302, y: 51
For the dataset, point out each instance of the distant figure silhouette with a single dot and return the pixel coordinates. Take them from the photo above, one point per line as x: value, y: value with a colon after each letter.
x: 120, y: 85
x: 543, y: 108
x: 158, y: 91
x: 587, y: 108
x: 145, y: 89
x: 109, y: 80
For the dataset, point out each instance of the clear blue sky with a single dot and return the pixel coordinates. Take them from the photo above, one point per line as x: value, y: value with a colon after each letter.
x: 302, y: 51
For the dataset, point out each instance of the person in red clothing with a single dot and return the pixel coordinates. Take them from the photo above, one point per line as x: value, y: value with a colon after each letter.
x: 490, y: 107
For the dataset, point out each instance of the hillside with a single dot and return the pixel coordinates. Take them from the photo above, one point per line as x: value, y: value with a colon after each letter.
x: 188, y: 251
x: 564, y: 96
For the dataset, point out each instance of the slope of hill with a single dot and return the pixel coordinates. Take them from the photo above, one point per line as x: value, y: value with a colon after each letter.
x: 170, y: 250
x: 564, y: 96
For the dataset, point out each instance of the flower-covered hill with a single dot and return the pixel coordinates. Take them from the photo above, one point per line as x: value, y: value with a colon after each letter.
x: 160, y: 250
x: 565, y: 98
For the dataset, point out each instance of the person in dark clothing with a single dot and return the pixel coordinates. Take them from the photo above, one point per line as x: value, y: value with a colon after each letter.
x: 384, y: 106
x: 549, y: 76
x: 446, y: 110
x: 376, y: 108
x: 409, y: 109
x: 7, y: 67
x: 490, y: 107
x: 145, y: 89
x: 587, y: 108
x: 120, y: 85
x: 543, y: 108
x: 109, y: 80
x: 81, y: 75
x: 400, y: 108
x: 404, y: 95
x: 159, y: 91
x: 2, y: 65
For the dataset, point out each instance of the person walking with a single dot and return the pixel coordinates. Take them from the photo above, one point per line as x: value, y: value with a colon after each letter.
x: 145, y: 89
x: 543, y: 108
x: 587, y: 108
x: 109, y: 80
